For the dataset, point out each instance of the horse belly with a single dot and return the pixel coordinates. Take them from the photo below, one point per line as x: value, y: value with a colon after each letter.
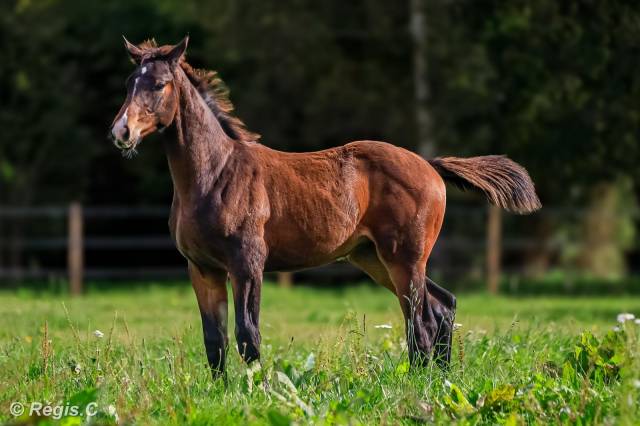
x: 304, y: 244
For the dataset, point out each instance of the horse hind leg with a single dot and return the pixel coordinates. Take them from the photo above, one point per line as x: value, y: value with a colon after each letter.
x: 366, y: 259
x: 441, y: 302
x: 421, y: 325
x: 443, y: 306
x: 400, y: 280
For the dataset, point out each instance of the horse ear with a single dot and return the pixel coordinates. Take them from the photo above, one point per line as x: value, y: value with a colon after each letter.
x: 177, y: 51
x: 134, y: 51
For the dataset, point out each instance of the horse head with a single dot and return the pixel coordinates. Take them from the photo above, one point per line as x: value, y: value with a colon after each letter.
x: 152, y: 98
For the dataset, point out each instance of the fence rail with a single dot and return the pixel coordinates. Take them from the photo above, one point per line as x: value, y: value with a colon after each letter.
x: 73, y: 237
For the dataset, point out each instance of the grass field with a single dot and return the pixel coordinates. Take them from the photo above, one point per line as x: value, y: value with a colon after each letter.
x: 324, y: 361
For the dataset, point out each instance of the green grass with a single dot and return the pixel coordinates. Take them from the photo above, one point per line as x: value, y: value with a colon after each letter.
x: 526, y: 360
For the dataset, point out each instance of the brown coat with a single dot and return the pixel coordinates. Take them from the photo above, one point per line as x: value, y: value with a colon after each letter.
x: 240, y: 208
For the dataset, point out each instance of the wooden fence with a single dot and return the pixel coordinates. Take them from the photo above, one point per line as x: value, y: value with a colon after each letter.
x: 484, y: 238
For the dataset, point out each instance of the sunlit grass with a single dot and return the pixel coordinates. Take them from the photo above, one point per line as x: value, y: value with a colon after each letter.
x: 323, y: 360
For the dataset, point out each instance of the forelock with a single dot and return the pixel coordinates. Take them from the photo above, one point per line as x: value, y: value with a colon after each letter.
x: 152, y: 52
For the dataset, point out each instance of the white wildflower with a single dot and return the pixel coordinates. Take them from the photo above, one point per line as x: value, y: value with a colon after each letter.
x: 382, y: 326
x: 310, y: 363
x: 625, y: 316
x: 637, y: 321
x: 111, y: 410
x: 616, y: 328
x: 636, y: 384
x: 565, y: 410
x: 99, y: 334
x: 457, y: 325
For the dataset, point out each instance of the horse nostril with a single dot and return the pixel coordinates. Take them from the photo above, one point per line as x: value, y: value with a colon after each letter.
x: 125, y: 134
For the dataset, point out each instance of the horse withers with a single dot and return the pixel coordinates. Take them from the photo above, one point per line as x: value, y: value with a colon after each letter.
x: 240, y: 208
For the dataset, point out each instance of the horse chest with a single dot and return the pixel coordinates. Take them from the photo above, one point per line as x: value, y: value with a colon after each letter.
x: 204, y: 239
x: 197, y: 241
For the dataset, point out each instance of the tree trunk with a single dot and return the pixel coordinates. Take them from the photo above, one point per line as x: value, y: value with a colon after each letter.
x: 607, y: 230
x: 418, y: 27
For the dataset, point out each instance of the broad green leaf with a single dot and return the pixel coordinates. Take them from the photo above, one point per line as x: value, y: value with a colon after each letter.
x: 457, y: 402
x: 276, y: 418
x: 500, y: 395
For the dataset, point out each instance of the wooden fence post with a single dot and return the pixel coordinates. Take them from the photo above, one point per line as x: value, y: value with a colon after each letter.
x: 75, y: 249
x: 494, y: 248
x: 285, y: 279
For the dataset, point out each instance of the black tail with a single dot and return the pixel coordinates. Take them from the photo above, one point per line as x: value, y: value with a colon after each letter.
x: 505, y: 183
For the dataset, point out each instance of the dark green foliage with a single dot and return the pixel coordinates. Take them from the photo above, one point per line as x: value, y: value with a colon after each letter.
x: 553, y: 84
x: 599, y: 360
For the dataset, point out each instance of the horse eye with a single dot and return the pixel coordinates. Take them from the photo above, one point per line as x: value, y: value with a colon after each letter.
x: 159, y: 86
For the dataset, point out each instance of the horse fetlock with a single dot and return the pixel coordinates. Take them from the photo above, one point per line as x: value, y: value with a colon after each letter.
x: 443, y: 341
x: 216, y: 359
x: 420, y: 342
x: 420, y: 355
x: 248, y: 344
x: 248, y: 351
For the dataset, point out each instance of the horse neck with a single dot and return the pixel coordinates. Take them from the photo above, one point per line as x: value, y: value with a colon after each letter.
x: 201, y: 149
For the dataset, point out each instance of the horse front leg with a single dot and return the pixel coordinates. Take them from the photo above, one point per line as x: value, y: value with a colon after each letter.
x: 443, y: 306
x: 246, y: 279
x: 211, y: 292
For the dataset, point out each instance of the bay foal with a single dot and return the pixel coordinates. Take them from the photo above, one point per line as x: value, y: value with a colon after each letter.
x: 240, y: 208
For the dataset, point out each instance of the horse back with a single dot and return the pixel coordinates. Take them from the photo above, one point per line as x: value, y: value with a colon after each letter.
x: 322, y: 204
